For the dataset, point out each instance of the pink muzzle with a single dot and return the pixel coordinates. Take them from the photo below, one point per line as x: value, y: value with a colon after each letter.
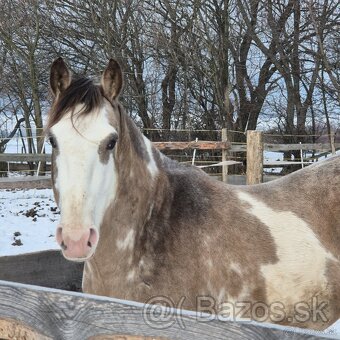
x: 77, y: 244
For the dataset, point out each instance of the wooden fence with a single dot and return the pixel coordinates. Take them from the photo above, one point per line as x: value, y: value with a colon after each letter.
x: 30, y: 312
x: 256, y: 146
x: 253, y: 148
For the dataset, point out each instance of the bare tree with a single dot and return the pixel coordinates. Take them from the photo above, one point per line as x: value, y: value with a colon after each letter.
x: 191, y: 64
x: 22, y: 75
x: 321, y: 15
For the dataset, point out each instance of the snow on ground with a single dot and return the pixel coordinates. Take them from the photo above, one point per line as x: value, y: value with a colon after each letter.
x: 270, y: 156
x: 28, y: 220
x: 334, y: 329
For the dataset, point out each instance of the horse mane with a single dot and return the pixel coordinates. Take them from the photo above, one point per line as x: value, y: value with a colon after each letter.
x: 82, y: 90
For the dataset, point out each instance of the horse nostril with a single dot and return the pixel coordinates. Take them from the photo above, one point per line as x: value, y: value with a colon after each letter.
x: 63, y: 246
x: 93, y: 239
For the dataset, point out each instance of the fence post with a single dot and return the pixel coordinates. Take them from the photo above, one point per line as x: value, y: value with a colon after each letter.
x: 332, y: 138
x: 224, y: 156
x: 254, y: 157
x: 194, y: 154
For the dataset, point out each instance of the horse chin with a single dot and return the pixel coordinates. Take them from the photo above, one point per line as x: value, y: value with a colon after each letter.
x: 79, y: 259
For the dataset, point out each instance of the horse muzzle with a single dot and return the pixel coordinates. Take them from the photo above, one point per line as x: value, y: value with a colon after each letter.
x: 77, y: 244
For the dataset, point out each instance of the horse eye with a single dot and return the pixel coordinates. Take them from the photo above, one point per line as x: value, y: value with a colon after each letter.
x: 111, y: 144
x: 52, y: 142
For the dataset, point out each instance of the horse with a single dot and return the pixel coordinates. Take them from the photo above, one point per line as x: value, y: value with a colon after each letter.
x: 147, y: 226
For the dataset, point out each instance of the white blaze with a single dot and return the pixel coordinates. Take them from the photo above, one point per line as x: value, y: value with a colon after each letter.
x: 86, y: 186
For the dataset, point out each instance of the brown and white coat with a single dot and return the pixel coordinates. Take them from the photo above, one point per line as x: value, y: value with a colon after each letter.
x: 148, y: 226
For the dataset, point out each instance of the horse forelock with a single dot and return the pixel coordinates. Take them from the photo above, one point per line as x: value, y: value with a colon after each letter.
x: 82, y: 91
x: 86, y: 92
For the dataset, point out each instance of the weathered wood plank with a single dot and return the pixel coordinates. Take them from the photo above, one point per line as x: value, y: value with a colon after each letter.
x: 46, y: 268
x: 24, y: 167
x: 305, y: 147
x: 125, y: 337
x: 287, y: 147
x: 24, y: 157
x: 223, y: 164
x: 29, y: 182
x: 254, y: 157
x: 68, y: 315
x: 238, y: 148
x: 199, y: 145
x: 283, y: 163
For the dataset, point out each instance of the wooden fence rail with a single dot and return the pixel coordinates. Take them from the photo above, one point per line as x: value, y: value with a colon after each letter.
x: 304, y: 147
x: 288, y: 147
x: 32, y: 312
x: 200, y: 145
x: 24, y: 157
x: 207, y: 145
x: 254, y: 149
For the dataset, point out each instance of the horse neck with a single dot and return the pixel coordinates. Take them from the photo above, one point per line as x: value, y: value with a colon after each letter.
x: 139, y: 173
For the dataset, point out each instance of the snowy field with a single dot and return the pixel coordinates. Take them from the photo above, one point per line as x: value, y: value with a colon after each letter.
x: 28, y: 219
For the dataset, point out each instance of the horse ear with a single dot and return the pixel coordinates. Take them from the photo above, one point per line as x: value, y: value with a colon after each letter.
x: 112, y: 80
x: 60, y: 77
